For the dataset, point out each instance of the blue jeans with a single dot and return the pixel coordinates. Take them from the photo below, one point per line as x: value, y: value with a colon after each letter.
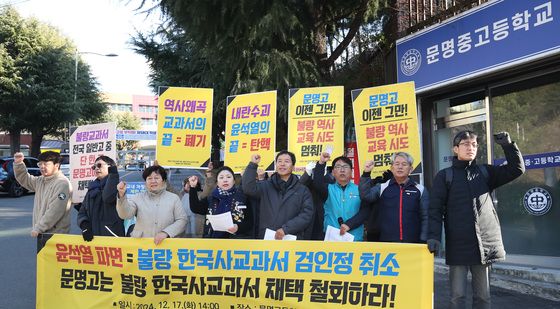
x: 480, y: 285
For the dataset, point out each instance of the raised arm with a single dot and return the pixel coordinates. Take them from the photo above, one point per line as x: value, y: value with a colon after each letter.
x: 20, y: 172
x: 110, y: 191
x: 126, y: 208
x: 210, y: 183
x: 249, y: 178
x: 515, y: 167
x: 197, y: 206
x: 320, y: 185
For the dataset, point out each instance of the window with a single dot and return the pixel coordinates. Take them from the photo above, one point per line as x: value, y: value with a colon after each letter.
x: 148, y: 121
x: 528, y: 110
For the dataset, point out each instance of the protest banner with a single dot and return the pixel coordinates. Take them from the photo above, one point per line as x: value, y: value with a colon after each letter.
x: 315, y: 124
x: 111, y: 272
x: 250, y: 129
x: 386, y: 122
x: 136, y: 135
x: 87, y: 143
x: 184, y: 134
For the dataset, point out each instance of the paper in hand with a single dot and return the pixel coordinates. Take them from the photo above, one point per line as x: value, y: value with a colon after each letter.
x: 333, y: 234
x: 269, y: 235
x: 221, y: 222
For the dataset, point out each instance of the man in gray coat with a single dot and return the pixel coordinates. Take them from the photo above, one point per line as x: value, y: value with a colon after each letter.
x: 285, y: 204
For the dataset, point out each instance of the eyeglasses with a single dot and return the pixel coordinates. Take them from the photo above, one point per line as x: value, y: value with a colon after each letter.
x: 41, y: 164
x: 473, y: 145
x: 98, y: 165
x: 341, y: 167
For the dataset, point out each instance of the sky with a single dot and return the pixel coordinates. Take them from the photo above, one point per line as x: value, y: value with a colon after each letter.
x: 99, y: 26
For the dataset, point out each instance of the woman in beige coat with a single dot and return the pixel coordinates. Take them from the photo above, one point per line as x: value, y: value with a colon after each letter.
x: 159, y: 213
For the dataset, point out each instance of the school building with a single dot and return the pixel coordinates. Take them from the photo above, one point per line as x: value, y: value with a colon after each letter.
x: 490, y: 66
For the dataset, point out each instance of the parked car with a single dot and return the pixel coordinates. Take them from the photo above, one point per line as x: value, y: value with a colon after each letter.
x: 65, y: 164
x: 132, y: 167
x: 8, y: 182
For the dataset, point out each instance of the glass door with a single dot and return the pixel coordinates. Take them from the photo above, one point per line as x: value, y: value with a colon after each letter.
x: 468, y: 112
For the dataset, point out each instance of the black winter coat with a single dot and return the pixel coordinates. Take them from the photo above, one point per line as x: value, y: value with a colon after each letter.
x: 287, y: 205
x: 472, y: 228
x: 240, y: 212
x: 99, y: 206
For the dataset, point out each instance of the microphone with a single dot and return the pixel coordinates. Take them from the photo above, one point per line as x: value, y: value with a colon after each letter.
x: 340, y: 221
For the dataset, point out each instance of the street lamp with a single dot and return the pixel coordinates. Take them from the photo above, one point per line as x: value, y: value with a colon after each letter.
x: 76, y: 74
x: 76, y: 67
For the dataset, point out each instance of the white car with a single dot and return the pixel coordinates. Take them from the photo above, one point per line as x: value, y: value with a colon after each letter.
x: 65, y: 164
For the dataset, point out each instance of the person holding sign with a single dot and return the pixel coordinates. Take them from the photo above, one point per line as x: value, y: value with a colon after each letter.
x: 462, y: 199
x: 225, y: 198
x: 285, y: 204
x: 343, y: 208
x: 98, y: 215
x: 403, y: 204
x: 159, y: 213
x: 51, y: 210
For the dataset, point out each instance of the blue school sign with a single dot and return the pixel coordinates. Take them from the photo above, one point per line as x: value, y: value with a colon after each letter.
x: 491, y: 37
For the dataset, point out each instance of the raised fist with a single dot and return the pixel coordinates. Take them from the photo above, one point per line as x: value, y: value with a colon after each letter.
x: 18, y: 158
x: 368, y: 166
x: 502, y: 138
x: 193, y: 181
x: 325, y: 157
x: 121, y: 187
x: 256, y: 158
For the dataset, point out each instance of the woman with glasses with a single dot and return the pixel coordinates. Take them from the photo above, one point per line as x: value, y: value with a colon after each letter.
x: 97, y: 215
x: 159, y: 213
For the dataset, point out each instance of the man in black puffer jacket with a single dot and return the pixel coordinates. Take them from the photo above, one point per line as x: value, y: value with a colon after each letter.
x: 461, y: 198
x: 286, y: 206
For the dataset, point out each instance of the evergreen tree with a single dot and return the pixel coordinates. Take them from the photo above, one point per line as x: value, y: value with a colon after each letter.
x: 37, y: 81
x: 246, y: 46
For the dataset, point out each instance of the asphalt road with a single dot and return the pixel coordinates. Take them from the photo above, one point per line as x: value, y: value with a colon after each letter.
x: 18, y: 263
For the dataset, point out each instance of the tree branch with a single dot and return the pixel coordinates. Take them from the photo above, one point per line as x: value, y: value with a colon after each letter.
x: 353, y: 29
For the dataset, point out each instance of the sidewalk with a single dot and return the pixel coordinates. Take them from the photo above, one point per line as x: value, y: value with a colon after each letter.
x: 533, y: 275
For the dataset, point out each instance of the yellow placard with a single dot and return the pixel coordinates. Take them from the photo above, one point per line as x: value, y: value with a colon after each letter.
x: 111, y: 272
x: 250, y: 129
x: 386, y: 122
x: 315, y: 124
x: 184, y: 135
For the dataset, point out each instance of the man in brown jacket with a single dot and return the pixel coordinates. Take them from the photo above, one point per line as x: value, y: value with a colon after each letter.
x: 53, y: 193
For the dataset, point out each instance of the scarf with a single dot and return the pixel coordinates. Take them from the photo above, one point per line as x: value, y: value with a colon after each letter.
x: 96, y: 186
x: 224, y: 199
